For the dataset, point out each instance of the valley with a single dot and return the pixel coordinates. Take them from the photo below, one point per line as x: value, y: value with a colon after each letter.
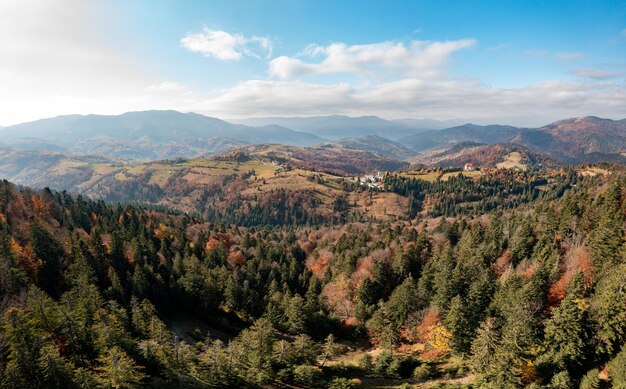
x: 389, y: 266
x: 312, y: 194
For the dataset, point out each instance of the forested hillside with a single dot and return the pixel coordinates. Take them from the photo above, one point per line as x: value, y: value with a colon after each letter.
x: 95, y: 295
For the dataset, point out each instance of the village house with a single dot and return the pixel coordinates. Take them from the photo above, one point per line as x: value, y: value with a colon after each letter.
x: 371, y: 181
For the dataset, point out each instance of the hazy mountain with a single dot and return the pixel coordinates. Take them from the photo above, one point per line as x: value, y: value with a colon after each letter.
x: 380, y: 145
x: 493, y: 156
x: 37, y: 144
x: 158, y: 135
x: 577, y: 140
x: 144, y: 135
x: 585, y: 139
x: 42, y: 168
x: 336, y: 127
x: 429, y: 124
x: 333, y: 158
x: 490, y: 134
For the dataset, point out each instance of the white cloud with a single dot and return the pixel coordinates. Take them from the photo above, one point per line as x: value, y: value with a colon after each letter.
x: 225, y: 46
x: 170, y: 87
x: 595, y: 74
x: 501, y: 46
x: 559, y: 55
x: 423, y: 59
x: 569, y: 55
x: 62, y: 57
x: 410, y: 97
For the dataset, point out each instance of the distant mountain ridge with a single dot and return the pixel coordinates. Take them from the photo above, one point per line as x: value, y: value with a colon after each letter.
x: 380, y: 145
x: 585, y: 139
x: 146, y: 135
x: 483, y: 155
x: 336, y: 127
x: 158, y: 135
x: 572, y: 141
x: 490, y: 134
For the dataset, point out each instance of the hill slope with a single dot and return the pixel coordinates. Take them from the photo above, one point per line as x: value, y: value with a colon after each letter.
x: 379, y: 145
x: 493, y: 156
x: 258, y: 184
x: 465, y: 133
x: 331, y: 158
x: 336, y: 127
x: 573, y: 141
x: 586, y: 139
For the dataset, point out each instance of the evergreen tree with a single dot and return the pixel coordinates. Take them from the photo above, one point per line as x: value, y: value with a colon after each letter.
x: 458, y: 323
x: 567, y: 331
x: 48, y: 251
x: 117, y: 370
x: 617, y: 370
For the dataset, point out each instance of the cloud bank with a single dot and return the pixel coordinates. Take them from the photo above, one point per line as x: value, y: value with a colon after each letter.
x: 411, y: 80
x: 226, y: 46
x: 419, y: 58
x: 63, y: 66
x: 444, y: 99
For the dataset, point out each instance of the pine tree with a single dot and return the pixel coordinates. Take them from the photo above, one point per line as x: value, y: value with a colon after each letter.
x: 485, y: 347
x: 49, y: 252
x: 24, y: 342
x: 567, y: 332
x: 329, y: 349
x: 56, y: 371
x: 297, y: 315
x: 523, y: 242
x: 117, y: 370
x: 561, y: 380
x: 617, y: 370
x: 402, y: 302
x: 458, y: 323
x: 590, y: 380
x: 605, y: 239
x: 608, y: 310
x: 305, y: 351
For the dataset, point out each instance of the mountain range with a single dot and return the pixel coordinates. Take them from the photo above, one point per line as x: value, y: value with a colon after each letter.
x: 506, y: 156
x: 158, y: 135
x: 194, y: 163
x: 335, y: 127
x: 147, y: 135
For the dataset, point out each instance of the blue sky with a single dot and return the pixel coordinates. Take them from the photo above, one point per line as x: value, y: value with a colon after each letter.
x: 507, y: 61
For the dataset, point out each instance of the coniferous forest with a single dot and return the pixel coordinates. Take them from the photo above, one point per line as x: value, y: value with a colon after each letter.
x: 98, y: 295
x: 312, y: 194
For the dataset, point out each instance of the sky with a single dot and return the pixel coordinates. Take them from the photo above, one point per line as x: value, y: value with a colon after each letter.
x: 511, y: 62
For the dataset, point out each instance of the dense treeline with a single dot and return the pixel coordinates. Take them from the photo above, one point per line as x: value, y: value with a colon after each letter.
x: 461, y: 195
x: 454, y: 196
x: 82, y: 283
x: 276, y: 207
x: 95, y: 295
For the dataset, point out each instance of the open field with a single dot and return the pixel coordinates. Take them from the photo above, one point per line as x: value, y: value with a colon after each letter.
x: 433, y: 176
x: 426, y: 176
x: 472, y: 174
x: 513, y: 160
x: 594, y: 171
